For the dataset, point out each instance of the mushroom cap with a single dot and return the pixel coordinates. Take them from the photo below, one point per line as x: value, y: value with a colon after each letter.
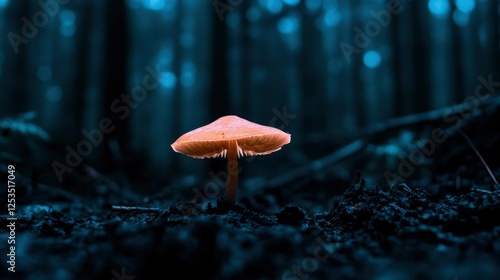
x: 213, y: 140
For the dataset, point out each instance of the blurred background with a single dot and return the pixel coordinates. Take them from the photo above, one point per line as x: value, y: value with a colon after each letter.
x: 143, y: 72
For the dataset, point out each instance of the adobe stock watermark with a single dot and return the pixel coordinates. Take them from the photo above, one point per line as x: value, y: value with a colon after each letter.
x: 372, y: 29
x: 94, y: 137
x: 122, y: 276
x: 309, y: 264
x: 456, y: 115
x: 48, y: 9
x: 223, y: 6
x: 212, y: 189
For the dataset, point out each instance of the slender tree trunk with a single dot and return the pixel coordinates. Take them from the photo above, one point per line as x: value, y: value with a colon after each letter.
x: 115, y: 71
x: 219, y: 90
x: 219, y: 102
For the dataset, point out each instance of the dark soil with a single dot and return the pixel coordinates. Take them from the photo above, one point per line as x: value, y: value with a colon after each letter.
x: 441, y: 223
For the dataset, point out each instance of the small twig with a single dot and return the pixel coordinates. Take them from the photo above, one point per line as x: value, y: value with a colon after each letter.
x: 485, y: 191
x: 118, y: 208
x: 479, y: 155
x: 405, y: 187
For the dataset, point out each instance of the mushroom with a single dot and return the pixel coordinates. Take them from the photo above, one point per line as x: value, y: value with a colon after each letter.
x: 231, y: 137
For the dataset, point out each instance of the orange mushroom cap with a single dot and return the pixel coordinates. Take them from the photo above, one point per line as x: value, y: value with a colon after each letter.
x: 212, y: 140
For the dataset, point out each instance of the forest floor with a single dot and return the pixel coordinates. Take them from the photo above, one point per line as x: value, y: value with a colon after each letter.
x: 442, y: 221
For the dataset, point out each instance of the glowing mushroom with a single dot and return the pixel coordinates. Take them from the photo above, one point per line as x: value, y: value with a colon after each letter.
x: 231, y: 137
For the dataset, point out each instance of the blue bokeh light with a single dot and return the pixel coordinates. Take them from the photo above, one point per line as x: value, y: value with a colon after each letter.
x: 54, y: 94
x: 165, y: 55
x: 372, y: 59
x: 332, y: 17
x: 460, y: 18
x: 168, y: 79
x: 288, y: 25
x: 273, y: 6
x: 67, y: 17
x: 188, y: 75
x: 68, y: 26
x: 253, y: 14
x: 439, y: 8
x: 156, y: 5
x: 465, y: 6
x: 4, y: 3
x: 44, y: 73
x: 292, y: 2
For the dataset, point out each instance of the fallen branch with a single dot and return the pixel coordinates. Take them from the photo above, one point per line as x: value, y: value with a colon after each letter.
x: 485, y: 191
x: 314, y: 166
x: 367, y: 135
x: 118, y: 208
x: 400, y: 122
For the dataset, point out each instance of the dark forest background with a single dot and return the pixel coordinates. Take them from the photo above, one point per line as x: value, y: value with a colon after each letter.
x: 322, y: 70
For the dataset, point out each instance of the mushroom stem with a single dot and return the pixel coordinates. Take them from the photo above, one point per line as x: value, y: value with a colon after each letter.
x: 232, y: 170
